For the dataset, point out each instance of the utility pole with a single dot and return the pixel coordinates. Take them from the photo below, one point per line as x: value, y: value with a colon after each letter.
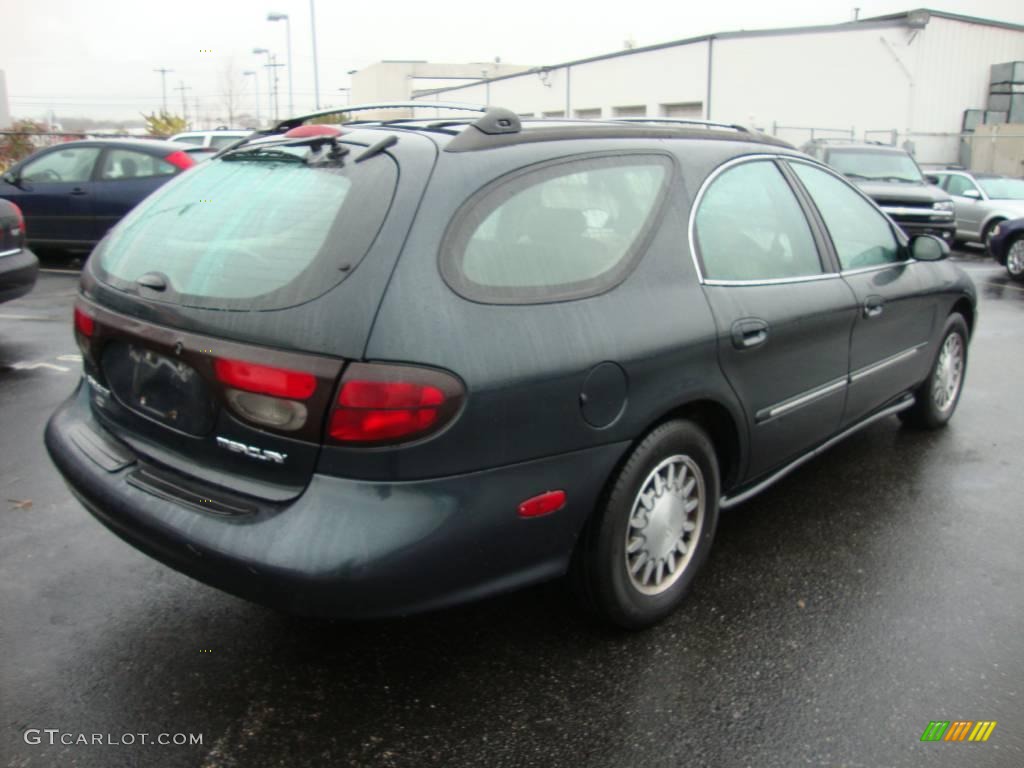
x: 316, y: 68
x: 288, y: 33
x: 197, y: 112
x: 256, y: 91
x: 163, y: 83
x: 184, y: 104
x: 273, y: 66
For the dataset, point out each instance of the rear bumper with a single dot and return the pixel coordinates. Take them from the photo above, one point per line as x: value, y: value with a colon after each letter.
x: 18, y: 273
x: 349, y: 548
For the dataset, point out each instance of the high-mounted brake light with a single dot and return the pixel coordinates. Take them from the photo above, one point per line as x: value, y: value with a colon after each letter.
x: 305, y: 131
x: 265, y: 380
x: 84, y: 323
x: 392, y: 404
x: 180, y: 160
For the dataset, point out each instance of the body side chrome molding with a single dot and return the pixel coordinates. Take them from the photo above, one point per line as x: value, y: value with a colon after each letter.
x: 727, y: 502
x: 867, y: 370
x: 800, y: 400
x: 10, y: 252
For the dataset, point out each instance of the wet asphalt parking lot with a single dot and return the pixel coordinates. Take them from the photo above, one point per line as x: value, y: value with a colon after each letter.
x: 876, y: 589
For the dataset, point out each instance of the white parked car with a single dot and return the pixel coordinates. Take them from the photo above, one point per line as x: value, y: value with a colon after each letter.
x: 214, y: 139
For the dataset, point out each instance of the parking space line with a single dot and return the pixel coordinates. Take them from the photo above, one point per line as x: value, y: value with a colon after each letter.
x: 1005, y: 285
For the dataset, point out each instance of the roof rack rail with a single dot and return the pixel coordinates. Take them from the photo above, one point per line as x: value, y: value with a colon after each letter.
x: 682, y: 121
x: 298, y: 120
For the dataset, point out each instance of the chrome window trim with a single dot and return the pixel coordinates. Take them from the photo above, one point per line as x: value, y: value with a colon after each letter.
x: 773, y: 280
x: 10, y: 252
x: 692, y: 226
x: 876, y: 267
x: 800, y: 400
x: 867, y: 370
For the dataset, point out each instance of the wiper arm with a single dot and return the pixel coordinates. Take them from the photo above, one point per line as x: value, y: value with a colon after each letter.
x: 263, y: 153
x: 860, y: 176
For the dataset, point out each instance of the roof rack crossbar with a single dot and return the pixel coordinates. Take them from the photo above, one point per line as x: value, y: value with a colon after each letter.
x: 298, y: 120
x: 681, y: 121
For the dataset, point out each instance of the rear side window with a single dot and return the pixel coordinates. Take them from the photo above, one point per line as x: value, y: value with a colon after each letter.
x: 751, y: 227
x: 252, y: 230
x: 561, y: 231
x: 126, y: 164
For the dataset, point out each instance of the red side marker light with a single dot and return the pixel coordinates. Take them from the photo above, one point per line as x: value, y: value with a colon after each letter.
x: 545, y: 504
x: 84, y: 324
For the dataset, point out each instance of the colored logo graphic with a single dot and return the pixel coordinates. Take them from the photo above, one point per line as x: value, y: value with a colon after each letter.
x: 958, y: 730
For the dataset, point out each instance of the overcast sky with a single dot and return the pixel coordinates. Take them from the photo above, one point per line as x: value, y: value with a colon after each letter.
x: 95, y: 58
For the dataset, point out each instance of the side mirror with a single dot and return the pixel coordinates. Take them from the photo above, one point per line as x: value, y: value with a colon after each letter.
x: 932, y: 179
x: 971, y: 193
x: 11, y: 178
x: 928, y: 248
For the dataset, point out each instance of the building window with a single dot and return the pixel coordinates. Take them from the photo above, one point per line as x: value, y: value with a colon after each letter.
x: 556, y: 113
x: 634, y: 111
x: 690, y: 110
x: 588, y: 114
x: 526, y: 114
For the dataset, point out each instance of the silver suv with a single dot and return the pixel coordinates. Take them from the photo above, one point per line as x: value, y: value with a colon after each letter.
x: 981, y: 201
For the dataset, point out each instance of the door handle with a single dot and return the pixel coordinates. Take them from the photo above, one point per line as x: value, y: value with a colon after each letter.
x: 873, y: 306
x: 749, y: 332
x: 78, y: 191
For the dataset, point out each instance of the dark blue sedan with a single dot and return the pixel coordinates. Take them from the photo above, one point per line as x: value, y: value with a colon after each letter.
x: 1007, y: 246
x: 72, y: 193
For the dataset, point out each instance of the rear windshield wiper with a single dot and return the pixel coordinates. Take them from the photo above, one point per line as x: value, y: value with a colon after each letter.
x: 264, y: 153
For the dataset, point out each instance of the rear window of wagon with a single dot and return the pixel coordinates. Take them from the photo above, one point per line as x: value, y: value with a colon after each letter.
x: 253, y: 233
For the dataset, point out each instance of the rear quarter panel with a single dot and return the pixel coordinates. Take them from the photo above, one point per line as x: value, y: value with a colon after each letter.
x: 524, y: 365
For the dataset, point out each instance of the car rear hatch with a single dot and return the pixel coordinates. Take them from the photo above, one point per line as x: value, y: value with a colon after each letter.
x: 215, y: 320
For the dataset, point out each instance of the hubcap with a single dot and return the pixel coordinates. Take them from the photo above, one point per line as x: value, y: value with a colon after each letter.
x: 1015, y: 258
x: 664, y: 525
x: 949, y: 372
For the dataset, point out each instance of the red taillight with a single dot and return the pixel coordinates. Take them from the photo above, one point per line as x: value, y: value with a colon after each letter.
x: 389, y: 404
x: 180, y: 159
x: 84, y: 324
x: 304, y: 131
x: 264, y: 380
x: 21, y: 219
x: 545, y: 504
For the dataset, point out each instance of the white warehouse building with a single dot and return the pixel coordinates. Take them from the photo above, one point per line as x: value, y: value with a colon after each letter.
x: 906, y: 77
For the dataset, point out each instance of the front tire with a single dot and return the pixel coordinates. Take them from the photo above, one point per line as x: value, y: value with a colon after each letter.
x: 939, y: 394
x: 638, y: 557
x: 1015, y: 258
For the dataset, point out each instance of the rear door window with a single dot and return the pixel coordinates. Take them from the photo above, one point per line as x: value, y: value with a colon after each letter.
x: 561, y: 231
x: 750, y: 227
x: 121, y: 164
x: 254, y: 229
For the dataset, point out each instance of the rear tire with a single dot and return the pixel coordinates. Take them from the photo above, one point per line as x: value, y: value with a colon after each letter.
x: 1015, y: 258
x: 938, y: 395
x: 640, y: 553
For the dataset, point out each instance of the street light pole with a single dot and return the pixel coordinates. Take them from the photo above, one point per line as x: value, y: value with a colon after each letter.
x: 163, y: 83
x: 271, y: 79
x: 256, y: 91
x: 316, y: 68
x: 288, y: 32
